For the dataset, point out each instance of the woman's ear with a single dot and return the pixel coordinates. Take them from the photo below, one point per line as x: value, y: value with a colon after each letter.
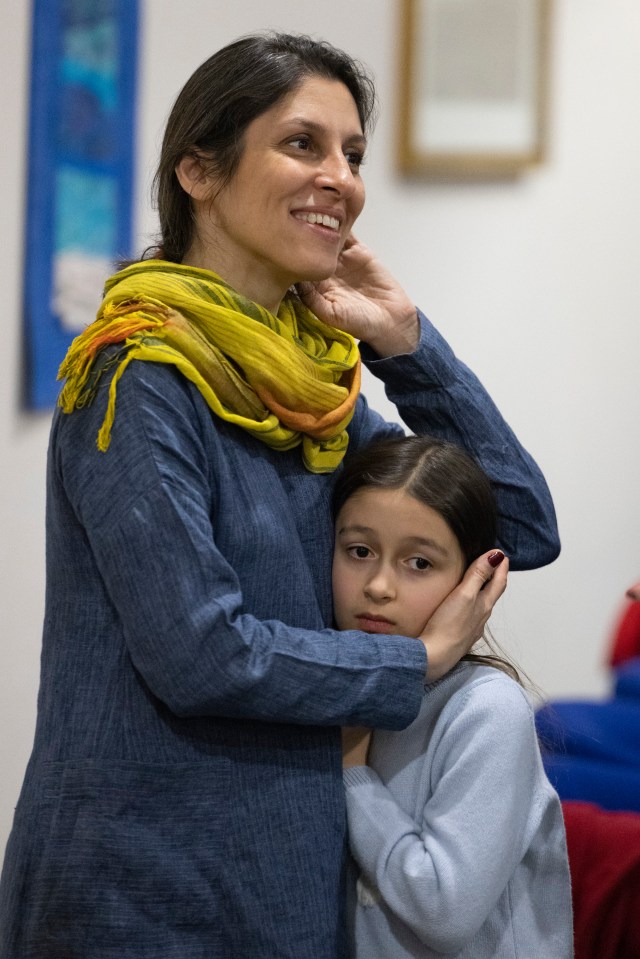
x: 193, y: 178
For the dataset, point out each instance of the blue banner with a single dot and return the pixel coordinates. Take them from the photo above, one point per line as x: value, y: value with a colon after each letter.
x: 81, y: 155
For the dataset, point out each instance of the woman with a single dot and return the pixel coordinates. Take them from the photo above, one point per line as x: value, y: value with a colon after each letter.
x: 191, y: 692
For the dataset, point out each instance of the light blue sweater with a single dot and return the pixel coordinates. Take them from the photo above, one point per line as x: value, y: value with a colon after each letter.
x: 457, y: 833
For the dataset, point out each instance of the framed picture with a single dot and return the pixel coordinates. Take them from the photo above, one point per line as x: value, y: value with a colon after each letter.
x: 473, y: 86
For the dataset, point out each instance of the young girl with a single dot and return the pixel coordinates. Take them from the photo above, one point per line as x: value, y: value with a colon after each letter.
x: 457, y: 836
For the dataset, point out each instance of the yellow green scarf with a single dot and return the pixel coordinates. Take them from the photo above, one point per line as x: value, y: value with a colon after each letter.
x: 287, y: 379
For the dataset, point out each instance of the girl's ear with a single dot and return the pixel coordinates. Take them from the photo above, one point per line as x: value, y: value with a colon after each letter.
x: 193, y: 177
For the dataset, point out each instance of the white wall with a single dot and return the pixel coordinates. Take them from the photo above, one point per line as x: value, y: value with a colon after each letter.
x: 535, y: 283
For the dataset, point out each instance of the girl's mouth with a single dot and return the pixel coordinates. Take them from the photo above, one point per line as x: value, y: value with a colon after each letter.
x: 370, y: 623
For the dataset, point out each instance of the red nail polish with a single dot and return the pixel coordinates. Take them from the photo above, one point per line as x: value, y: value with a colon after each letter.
x: 494, y: 559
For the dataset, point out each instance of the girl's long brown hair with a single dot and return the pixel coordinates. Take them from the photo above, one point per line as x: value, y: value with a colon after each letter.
x: 446, y: 478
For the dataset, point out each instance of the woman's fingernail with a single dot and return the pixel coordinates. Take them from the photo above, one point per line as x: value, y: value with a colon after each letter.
x: 495, y: 559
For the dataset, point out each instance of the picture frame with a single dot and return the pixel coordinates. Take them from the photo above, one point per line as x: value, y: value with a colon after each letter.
x: 473, y: 87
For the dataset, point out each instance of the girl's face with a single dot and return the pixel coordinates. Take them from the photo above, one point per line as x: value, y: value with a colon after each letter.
x: 291, y: 204
x: 394, y: 562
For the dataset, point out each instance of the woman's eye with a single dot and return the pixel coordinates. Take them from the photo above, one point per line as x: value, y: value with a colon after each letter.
x: 301, y: 142
x: 354, y: 158
x: 419, y: 563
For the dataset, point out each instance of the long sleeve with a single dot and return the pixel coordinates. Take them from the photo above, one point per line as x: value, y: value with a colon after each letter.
x: 436, y: 393
x: 442, y: 871
x: 216, y: 630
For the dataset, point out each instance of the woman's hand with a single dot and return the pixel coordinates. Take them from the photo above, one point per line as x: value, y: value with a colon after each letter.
x: 355, y: 745
x: 364, y: 299
x: 460, y: 619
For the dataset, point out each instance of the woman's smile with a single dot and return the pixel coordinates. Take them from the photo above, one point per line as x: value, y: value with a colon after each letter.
x: 319, y: 218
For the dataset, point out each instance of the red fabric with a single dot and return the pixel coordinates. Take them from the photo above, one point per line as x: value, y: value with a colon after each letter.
x: 625, y: 641
x: 604, y: 858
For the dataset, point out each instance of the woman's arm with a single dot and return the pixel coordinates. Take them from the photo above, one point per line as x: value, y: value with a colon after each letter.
x: 435, y: 393
x: 150, y: 508
x: 155, y: 509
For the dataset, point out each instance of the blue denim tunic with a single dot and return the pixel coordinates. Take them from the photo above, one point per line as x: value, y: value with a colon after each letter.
x: 184, y: 796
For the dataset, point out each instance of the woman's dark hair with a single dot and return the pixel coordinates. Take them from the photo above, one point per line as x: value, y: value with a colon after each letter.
x: 219, y: 101
x: 446, y: 478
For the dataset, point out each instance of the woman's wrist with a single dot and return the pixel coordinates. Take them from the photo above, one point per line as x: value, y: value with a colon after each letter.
x: 442, y: 655
x: 400, y: 337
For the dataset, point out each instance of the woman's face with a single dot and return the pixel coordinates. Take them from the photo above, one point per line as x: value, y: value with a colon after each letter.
x: 294, y: 197
x: 394, y: 562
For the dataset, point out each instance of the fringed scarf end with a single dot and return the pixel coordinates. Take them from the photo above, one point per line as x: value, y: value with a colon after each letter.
x: 123, y: 324
x: 104, y: 433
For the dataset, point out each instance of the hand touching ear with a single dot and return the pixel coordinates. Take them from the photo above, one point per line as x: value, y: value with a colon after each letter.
x: 364, y: 299
x: 460, y: 619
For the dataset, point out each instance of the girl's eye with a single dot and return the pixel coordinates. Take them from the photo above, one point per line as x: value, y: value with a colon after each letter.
x: 359, y: 552
x: 419, y: 563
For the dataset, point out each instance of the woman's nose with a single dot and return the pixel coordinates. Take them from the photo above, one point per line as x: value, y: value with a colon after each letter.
x: 336, y: 174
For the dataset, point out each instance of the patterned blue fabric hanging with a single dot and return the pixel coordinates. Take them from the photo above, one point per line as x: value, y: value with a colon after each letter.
x: 81, y: 157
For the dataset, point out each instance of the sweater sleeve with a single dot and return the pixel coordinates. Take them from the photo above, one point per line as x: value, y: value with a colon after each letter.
x: 443, y: 874
x: 146, y: 508
x: 435, y: 393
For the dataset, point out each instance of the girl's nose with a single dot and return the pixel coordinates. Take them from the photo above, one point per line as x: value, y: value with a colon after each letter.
x: 380, y: 588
